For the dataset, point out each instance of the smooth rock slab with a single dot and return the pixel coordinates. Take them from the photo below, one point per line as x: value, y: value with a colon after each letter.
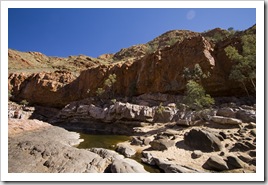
x: 225, y: 120
x: 48, y: 151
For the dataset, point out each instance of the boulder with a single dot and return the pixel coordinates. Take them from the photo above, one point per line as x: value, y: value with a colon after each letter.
x: 172, y: 167
x: 188, y: 118
x: 96, y: 112
x: 202, y: 140
x: 164, y: 115
x: 252, y: 153
x: 243, y: 146
x: 166, y: 165
x: 246, y: 116
x: 215, y: 163
x: 147, y: 140
x: 234, y: 162
x: 148, y: 158
x: 226, y: 112
x: 225, y: 120
x: 175, y: 168
x: 119, y: 164
x: 125, y: 150
x: 245, y: 158
x: 162, y: 144
x: 136, y: 140
x: 127, y: 166
x: 196, y: 154
x: 250, y: 125
x: 129, y: 111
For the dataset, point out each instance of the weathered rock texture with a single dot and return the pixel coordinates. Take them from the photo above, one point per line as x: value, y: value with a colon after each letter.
x: 50, y: 89
x: 48, y: 149
x: 157, y: 72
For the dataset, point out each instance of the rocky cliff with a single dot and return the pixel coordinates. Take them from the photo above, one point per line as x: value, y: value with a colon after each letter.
x: 138, y: 71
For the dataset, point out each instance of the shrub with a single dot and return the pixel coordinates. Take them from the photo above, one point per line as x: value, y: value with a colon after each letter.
x: 244, y: 68
x: 195, y: 74
x: 113, y: 101
x: 107, y: 89
x: 151, y: 48
x: 110, y: 81
x: 99, y: 91
x: 172, y: 41
x: 24, y: 102
x: 160, y: 109
x: 196, y: 97
x: 10, y: 94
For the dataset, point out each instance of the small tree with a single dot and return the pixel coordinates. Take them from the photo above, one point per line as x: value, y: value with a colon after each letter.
x: 99, y: 91
x: 195, y: 74
x: 108, y: 87
x: 195, y: 96
x: 244, y: 69
x: 108, y: 83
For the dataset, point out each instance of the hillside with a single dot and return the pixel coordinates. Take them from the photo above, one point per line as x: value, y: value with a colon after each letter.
x: 37, y: 62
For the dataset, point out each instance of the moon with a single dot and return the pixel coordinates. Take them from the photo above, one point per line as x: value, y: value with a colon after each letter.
x: 190, y: 15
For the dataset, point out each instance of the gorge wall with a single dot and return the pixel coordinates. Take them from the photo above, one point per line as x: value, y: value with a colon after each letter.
x: 157, y: 72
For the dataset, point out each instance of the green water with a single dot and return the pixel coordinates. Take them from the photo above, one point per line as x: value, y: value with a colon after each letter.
x: 109, y: 142
x: 101, y: 141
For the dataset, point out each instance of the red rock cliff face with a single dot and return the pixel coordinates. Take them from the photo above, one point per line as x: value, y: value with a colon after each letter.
x: 41, y: 88
x: 160, y: 71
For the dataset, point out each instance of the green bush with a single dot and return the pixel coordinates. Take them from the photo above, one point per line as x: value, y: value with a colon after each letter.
x: 99, y: 91
x: 160, y: 109
x: 195, y: 74
x: 196, y: 97
x: 113, y: 101
x: 10, y: 94
x: 107, y: 91
x: 151, y: 48
x: 244, y: 68
x: 24, y: 102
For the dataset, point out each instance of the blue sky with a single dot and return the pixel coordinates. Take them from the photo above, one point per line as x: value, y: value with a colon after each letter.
x: 92, y: 32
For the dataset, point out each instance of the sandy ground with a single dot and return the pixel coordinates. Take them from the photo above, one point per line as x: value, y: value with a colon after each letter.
x: 181, y: 153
